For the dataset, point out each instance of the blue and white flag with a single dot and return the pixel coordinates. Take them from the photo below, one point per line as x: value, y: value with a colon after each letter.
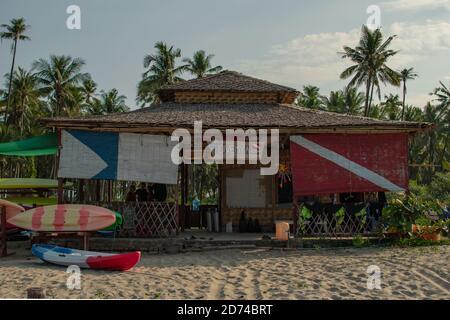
x: 117, y: 156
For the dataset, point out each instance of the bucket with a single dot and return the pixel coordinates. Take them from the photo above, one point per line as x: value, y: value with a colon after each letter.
x: 282, y: 230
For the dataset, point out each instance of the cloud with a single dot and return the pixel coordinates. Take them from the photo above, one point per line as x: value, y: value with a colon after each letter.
x: 411, y: 5
x: 314, y: 58
x: 419, y: 100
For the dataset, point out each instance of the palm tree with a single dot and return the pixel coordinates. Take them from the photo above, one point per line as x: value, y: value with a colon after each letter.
x: 25, y: 96
x: 353, y: 100
x: 442, y: 94
x: 370, y: 68
x: 390, y: 108
x: 112, y: 102
x: 162, y: 70
x: 60, y: 78
x: 406, y: 74
x: 310, y: 98
x: 15, y: 31
x: 200, y: 64
x: 88, y: 90
x: 335, y: 102
x: 109, y: 102
x: 413, y: 113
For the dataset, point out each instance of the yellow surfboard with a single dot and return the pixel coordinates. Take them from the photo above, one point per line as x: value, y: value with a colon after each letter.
x: 64, y: 217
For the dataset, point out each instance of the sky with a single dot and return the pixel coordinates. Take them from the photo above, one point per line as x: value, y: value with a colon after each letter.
x: 290, y: 42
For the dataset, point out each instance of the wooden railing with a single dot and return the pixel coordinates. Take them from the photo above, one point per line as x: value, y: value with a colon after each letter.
x: 145, y: 219
x: 324, y: 222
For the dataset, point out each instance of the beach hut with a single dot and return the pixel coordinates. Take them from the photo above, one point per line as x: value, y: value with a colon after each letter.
x: 321, y: 154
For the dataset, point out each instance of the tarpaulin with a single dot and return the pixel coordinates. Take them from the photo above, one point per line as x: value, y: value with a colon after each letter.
x: 30, y: 147
x: 117, y: 156
x: 339, y: 163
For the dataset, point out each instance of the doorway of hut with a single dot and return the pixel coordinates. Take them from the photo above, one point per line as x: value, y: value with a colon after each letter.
x: 200, y: 197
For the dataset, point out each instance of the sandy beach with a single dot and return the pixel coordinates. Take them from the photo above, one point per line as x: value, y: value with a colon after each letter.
x: 406, y: 273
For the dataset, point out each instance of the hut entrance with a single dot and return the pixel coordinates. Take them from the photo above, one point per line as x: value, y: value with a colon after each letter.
x: 200, y: 196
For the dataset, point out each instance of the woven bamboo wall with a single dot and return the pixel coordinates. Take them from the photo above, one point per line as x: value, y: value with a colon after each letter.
x: 232, y: 97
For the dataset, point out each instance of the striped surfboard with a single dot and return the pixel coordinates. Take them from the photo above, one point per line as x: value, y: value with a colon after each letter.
x: 64, y: 217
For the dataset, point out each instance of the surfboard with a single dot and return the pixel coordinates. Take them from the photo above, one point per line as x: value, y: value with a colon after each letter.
x: 12, y: 210
x: 64, y: 217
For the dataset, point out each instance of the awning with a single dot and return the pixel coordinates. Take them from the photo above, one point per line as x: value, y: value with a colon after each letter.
x: 339, y: 163
x: 35, y: 146
x: 29, y: 183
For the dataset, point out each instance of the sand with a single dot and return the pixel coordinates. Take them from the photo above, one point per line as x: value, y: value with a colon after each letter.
x: 406, y: 273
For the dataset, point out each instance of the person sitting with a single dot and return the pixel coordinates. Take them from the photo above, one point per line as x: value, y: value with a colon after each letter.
x: 131, y: 195
x: 142, y: 193
x: 151, y: 193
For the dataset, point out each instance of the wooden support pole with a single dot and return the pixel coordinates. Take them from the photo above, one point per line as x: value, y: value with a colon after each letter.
x: 60, y: 192
x: 35, y: 293
x: 3, y: 244
x: 219, y: 200
x: 183, y: 194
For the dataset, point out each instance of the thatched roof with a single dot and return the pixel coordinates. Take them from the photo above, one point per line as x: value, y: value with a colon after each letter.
x: 181, y: 115
x: 170, y: 115
x: 227, y: 81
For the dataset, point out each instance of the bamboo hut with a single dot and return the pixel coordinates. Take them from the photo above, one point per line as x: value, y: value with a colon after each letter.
x: 320, y: 153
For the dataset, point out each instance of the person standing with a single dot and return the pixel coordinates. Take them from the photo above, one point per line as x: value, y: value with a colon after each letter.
x: 142, y: 193
x: 131, y: 195
x: 160, y: 192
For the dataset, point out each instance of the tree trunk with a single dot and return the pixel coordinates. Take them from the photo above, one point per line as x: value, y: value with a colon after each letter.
x: 10, y: 82
x: 403, y: 102
x: 366, y: 103
x: 370, y: 100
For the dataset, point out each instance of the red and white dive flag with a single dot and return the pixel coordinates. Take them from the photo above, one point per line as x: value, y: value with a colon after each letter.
x: 338, y: 163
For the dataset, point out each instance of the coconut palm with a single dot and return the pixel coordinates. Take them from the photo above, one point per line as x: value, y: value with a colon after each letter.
x: 413, y: 113
x: 162, y: 70
x: 370, y: 68
x: 442, y: 95
x: 200, y: 64
x: 310, y: 98
x: 390, y: 107
x: 113, y: 102
x: 14, y: 31
x: 88, y: 90
x: 353, y: 101
x: 109, y: 102
x: 60, y: 78
x: 335, y: 102
x: 405, y: 75
x: 25, y: 97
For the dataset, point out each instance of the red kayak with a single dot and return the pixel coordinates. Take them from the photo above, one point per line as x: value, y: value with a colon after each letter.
x: 86, y: 259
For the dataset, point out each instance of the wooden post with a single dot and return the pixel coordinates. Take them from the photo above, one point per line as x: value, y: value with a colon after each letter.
x: 81, y: 190
x: 35, y: 293
x: 3, y: 244
x: 219, y: 200
x: 86, y: 237
x: 97, y: 191
x: 176, y: 196
x: 60, y: 192
x: 183, y: 195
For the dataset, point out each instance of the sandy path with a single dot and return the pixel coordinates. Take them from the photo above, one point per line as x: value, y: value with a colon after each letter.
x: 409, y: 273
